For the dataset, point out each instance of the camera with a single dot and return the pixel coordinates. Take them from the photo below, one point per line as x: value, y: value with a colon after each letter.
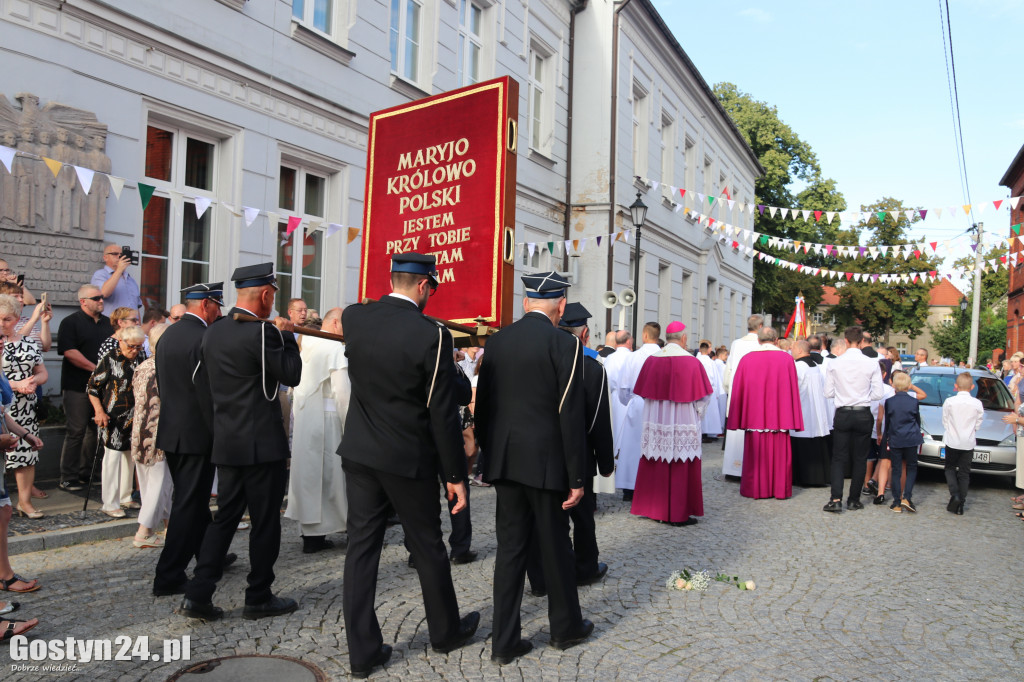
x: 133, y: 256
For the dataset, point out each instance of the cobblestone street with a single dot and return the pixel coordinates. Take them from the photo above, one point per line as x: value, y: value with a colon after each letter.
x: 859, y: 595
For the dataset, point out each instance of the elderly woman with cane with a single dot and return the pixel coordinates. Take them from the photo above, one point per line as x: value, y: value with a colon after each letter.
x: 112, y: 398
x: 155, y: 484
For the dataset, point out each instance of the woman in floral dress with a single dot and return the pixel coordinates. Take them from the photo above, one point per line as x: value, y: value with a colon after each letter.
x: 23, y: 366
x: 110, y: 392
x: 155, y: 484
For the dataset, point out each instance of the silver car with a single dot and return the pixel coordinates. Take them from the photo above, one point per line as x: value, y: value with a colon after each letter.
x: 996, y: 451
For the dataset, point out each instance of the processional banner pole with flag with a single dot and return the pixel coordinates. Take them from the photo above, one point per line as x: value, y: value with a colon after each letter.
x: 798, y: 322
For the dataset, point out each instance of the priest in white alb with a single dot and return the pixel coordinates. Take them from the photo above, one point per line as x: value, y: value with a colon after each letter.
x: 627, y: 438
x: 712, y: 422
x: 812, y: 462
x: 316, y: 486
x: 675, y: 390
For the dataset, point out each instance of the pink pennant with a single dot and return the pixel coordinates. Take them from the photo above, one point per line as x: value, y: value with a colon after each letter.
x: 997, y: 204
x: 682, y: 193
x: 849, y: 276
x: 293, y: 222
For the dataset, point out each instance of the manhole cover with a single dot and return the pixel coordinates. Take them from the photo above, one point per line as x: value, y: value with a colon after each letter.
x: 249, y: 669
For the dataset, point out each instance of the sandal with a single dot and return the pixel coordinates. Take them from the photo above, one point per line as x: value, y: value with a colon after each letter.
x: 8, y: 630
x: 1020, y: 515
x: 1017, y: 505
x: 10, y: 607
x: 5, y: 585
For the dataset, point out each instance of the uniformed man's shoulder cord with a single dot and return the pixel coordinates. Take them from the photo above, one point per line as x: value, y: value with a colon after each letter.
x: 597, y: 408
x: 263, y: 365
x: 437, y: 364
x: 575, y: 353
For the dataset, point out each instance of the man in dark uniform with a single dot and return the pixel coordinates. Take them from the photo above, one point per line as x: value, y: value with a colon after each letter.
x: 186, y: 434
x: 245, y: 362
x: 531, y: 424
x: 402, y: 431
x: 600, y: 456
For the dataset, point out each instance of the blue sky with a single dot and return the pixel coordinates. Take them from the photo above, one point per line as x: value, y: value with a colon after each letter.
x: 864, y: 83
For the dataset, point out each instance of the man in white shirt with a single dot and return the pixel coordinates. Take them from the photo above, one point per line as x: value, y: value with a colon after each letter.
x: 613, y: 368
x: 732, y: 462
x: 852, y: 380
x: 962, y: 415
x: 922, y: 357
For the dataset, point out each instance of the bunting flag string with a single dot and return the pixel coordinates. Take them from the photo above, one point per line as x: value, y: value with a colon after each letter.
x: 87, y: 176
x: 818, y: 214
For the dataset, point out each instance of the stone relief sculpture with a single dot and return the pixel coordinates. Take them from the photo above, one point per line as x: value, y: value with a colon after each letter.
x: 50, y: 229
x: 31, y: 198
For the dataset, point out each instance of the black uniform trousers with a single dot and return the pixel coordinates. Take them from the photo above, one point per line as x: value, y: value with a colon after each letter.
x: 192, y: 476
x: 261, y: 488
x: 415, y: 501
x: 461, y: 537
x: 584, y: 541
x: 522, y: 514
x: 79, y: 447
x: 851, y: 439
x: 958, y: 471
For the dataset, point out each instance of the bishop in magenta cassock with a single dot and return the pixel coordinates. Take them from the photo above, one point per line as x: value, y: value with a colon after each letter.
x: 765, y: 402
x: 675, y: 390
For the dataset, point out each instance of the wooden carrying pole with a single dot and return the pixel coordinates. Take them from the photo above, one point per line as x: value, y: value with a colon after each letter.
x: 242, y: 317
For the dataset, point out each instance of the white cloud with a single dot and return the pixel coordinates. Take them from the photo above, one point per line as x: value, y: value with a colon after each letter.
x: 756, y: 15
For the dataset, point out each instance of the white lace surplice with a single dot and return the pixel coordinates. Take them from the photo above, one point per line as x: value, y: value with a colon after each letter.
x: 671, y: 431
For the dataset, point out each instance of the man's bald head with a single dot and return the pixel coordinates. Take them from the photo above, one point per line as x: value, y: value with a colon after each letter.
x: 332, y: 321
x: 801, y: 349
x: 609, y: 339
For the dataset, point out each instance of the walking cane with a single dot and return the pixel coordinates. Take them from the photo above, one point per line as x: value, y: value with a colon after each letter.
x: 92, y: 474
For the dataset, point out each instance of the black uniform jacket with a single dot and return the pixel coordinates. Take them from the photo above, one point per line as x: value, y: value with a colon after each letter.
x: 186, y: 413
x: 600, y: 452
x: 530, y: 412
x: 245, y: 362
x: 403, y: 416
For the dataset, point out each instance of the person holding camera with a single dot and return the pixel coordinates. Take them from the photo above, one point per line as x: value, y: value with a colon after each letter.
x: 118, y: 288
x: 9, y: 275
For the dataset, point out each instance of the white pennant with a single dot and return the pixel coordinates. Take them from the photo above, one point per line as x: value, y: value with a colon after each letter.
x: 655, y: 184
x: 7, y: 157
x: 332, y: 228
x: 177, y: 199
x: 250, y: 214
x: 312, y: 225
x: 772, y: 210
x: 531, y: 247
x: 85, y: 177
x: 272, y: 220
x: 116, y: 184
x: 1014, y: 201
x: 731, y: 202
x: 202, y: 203
x: 829, y: 215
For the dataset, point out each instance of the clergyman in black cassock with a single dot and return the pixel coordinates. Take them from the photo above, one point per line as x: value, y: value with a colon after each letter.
x: 402, y: 432
x: 245, y: 363
x: 531, y: 424
x: 186, y: 433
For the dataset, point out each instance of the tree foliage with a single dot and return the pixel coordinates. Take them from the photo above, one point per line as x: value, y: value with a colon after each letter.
x: 953, y: 340
x: 885, y: 307
x: 792, y: 178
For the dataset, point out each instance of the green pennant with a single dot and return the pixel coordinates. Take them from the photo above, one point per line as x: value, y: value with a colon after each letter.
x: 881, y: 216
x: 711, y: 201
x: 551, y: 248
x: 145, y: 193
x: 763, y: 239
x: 1016, y: 228
x: 776, y: 261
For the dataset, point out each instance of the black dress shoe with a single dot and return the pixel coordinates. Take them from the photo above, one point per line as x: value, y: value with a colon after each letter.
x: 879, y: 500
x: 311, y: 544
x: 411, y: 562
x: 207, y: 611
x: 230, y: 558
x: 538, y: 592
x: 602, y: 571
x: 361, y: 672
x: 275, y: 606
x: 627, y: 495
x: 833, y: 506
x: 464, y: 558
x: 954, y: 502
x: 467, y: 627
x: 563, y: 643
x: 854, y: 505
x: 960, y: 508
x: 168, y: 591
x: 523, y: 647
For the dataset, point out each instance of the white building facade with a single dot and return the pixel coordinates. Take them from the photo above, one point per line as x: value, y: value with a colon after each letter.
x: 264, y: 105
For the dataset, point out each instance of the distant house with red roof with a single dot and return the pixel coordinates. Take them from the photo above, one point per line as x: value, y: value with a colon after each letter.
x: 944, y: 298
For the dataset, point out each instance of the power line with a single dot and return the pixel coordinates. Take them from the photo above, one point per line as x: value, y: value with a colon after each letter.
x: 954, y: 103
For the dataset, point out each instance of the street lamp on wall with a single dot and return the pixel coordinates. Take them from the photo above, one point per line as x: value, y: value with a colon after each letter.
x: 638, y: 214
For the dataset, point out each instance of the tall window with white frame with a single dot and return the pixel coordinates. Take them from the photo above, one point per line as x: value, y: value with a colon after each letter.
x: 470, y: 42
x: 315, y: 13
x: 405, y: 38
x: 668, y: 149
x: 302, y: 193
x: 541, y: 90
x: 175, y: 240
x: 640, y: 127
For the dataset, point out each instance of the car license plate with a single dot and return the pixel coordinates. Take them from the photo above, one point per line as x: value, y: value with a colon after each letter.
x: 981, y: 456
x: 942, y: 453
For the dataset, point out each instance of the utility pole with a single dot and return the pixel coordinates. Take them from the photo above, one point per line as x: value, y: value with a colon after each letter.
x: 972, y: 354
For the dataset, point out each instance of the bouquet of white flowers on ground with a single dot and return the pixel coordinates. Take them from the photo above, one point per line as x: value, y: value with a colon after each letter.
x: 689, y: 579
